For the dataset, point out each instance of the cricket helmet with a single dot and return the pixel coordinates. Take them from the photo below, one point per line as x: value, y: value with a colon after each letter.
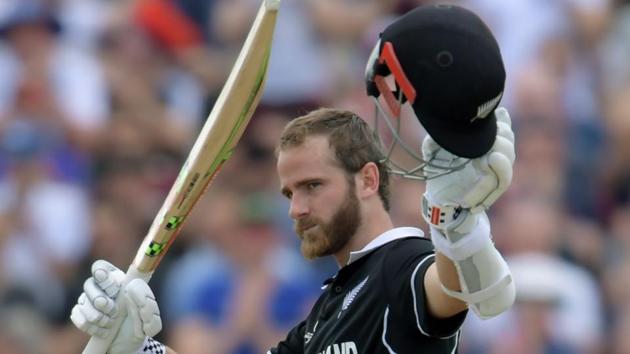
x: 447, y: 65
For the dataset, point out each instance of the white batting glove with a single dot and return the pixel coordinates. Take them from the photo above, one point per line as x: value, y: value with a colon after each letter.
x: 472, y: 189
x: 96, y: 309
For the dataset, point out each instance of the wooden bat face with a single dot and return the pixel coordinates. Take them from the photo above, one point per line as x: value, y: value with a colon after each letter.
x: 217, y: 140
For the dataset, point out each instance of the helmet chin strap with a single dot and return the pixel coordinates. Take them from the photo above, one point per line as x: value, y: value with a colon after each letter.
x: 423, y: 170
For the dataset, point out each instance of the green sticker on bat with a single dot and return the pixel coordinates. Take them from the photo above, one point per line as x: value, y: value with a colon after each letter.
x: 174, y: 222
x: 154, y: 249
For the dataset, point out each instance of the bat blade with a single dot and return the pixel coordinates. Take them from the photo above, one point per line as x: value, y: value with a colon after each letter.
x: 219, y: 135
x: 214, y: 145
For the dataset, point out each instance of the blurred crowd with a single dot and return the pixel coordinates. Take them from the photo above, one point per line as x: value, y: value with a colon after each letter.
x: 101, y: 100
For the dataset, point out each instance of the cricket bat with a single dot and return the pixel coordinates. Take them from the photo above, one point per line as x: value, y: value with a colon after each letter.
x: 214, y: 145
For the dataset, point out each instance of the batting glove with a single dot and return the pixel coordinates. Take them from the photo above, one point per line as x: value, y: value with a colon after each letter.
x: 96, y: 309
x: 450, y: 198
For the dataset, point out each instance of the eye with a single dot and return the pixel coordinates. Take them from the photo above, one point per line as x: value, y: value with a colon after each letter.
x: 313, y: 185
x: 287, y: 194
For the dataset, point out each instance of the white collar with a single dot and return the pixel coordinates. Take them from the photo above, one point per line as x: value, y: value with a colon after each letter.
x: 384, y: 238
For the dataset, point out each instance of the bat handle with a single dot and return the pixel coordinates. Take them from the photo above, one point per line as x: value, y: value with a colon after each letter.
x: 97, y: 345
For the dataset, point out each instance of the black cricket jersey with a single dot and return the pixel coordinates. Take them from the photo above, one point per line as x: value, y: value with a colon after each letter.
x: 376, y: 304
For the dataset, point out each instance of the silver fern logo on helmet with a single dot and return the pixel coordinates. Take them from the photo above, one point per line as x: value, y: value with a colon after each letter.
x: 486, y: 108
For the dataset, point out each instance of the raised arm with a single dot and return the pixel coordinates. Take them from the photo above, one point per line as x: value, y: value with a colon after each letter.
x: 468, y: 271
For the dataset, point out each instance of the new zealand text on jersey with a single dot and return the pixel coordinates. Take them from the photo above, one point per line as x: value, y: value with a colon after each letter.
x: 343, y: 348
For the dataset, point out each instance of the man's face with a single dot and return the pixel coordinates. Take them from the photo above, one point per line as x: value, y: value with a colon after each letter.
x: 323, y: 203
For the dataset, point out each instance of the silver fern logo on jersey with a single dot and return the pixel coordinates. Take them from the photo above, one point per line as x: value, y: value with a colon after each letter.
x: 485, y: 109
x: 309, y: 335
x: 352, y: 295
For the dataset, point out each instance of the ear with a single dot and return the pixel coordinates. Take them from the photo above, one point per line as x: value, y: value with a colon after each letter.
x: 367, y: 180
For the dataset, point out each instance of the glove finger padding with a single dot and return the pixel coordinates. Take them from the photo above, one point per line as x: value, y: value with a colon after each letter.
x: 96, y: 309
x: 108, y: 277
x: 89, y: 319
x: 505, y: 145
x: 503, y: 116
x: 505, y: 136
x: 502, y: 168
x: 143, y: 309
x: 99, y: 299
x: 494, y: 179
x: 484, y: 185
x: 505, y: 131
x: 479, y: 183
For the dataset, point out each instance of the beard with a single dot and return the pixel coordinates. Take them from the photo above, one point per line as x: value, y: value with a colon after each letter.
x: 321, y: 238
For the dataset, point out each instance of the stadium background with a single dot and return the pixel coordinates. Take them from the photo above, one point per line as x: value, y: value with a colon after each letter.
x: 100, y: 101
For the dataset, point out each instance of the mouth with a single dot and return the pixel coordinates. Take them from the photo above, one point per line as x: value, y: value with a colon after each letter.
x: 304, y: 228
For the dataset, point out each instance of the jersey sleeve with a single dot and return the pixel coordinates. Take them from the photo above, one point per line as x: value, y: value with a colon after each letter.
x: 405, y: 266
x: 293, y: 343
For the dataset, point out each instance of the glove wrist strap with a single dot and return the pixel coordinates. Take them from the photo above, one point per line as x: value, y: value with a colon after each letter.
x: 465, y: 245
x: 453, y: 220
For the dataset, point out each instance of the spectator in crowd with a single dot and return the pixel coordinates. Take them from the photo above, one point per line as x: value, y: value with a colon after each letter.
x: 45, y: 233
x: 101, y: 100
x: 48, y: 81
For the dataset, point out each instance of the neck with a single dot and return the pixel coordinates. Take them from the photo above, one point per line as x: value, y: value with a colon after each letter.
x: 373, y: 224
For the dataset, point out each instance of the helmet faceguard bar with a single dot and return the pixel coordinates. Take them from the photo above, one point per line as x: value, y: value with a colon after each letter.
x: 422, y: 170
x: 390, y: 61
x: 387, y: 63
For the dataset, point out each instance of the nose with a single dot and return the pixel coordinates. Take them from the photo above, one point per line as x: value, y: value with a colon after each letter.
x: 298, y: 208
